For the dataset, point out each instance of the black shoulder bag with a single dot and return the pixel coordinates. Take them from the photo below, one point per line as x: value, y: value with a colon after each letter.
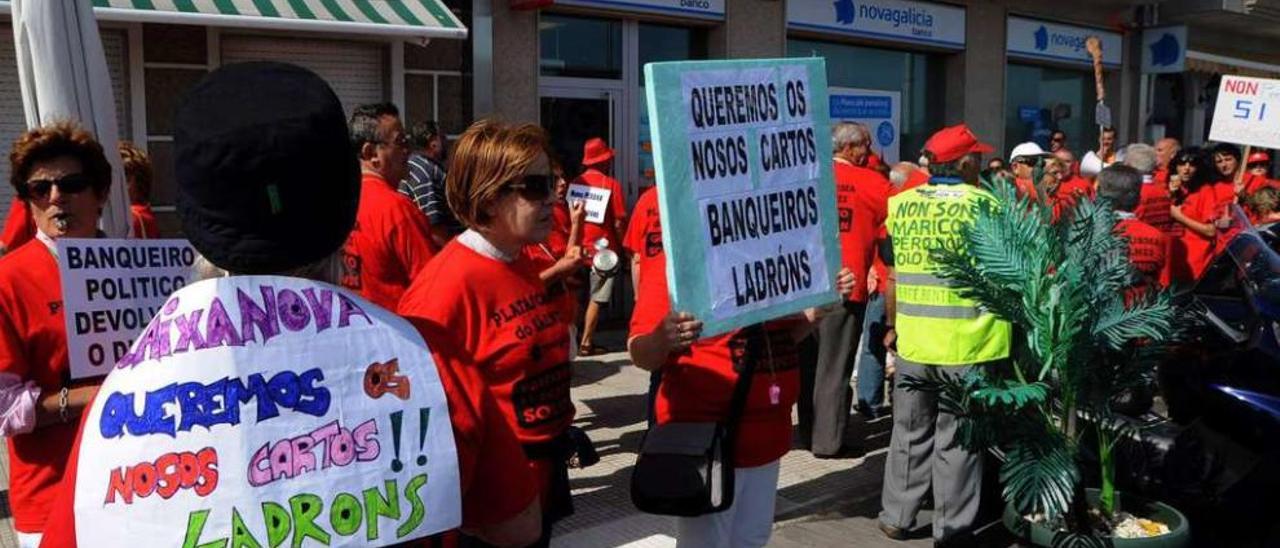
x: 686, y: 468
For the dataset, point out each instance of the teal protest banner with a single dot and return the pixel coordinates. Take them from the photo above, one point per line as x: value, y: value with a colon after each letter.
x: 742, y: 153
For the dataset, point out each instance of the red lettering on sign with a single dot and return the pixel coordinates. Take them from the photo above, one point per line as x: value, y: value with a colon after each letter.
x: 1241, y: 87
x: 166, y: 476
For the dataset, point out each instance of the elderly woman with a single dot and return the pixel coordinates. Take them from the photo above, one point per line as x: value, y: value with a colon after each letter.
x: 481, y: 289
x: 61, y: 174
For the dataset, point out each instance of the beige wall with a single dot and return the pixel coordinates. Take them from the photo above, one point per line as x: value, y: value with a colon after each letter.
x: 752, y: 29
x: 515, y: 64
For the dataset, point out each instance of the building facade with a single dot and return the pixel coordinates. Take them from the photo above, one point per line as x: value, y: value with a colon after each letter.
x: 1013, y: 70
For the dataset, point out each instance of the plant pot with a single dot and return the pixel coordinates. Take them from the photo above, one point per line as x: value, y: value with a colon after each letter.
x: 1179, y: 535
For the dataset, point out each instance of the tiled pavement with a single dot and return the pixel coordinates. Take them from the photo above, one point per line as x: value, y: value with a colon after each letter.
x: 820, y: 502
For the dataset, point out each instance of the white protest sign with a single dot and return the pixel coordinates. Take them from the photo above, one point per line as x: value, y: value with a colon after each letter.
x: 110, y: 290
x: 595, y: 199
x: 1247, y: 112
x: 260, y: 410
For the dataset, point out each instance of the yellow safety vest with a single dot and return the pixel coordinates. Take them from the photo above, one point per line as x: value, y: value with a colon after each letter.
x: 936, y: 326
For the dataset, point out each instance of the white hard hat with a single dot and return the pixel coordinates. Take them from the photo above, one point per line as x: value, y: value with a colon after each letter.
x: 1027, y: 149
x: 1090, y: 165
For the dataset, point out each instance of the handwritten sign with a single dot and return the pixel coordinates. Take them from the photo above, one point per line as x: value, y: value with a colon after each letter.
x: 1247, y: 112
x: 110, y: 290
x: 743, y: 157
x: 262, y: 410
x: 595, y: 200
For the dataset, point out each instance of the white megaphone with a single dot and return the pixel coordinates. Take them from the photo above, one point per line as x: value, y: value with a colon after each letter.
x: 605, y: 261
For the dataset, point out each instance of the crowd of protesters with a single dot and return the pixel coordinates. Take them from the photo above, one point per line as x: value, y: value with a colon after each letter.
x: 477, y: 244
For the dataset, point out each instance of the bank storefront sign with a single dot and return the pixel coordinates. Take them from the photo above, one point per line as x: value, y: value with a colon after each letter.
x: 1035, y: 39
x: 706, y: 9
x: 892, y: 20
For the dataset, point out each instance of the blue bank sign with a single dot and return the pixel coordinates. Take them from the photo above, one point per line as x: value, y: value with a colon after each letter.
x: 892, y: 20
x: 1034, y: 39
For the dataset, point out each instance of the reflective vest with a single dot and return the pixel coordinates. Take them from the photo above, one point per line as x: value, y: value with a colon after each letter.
x: 935, y: 325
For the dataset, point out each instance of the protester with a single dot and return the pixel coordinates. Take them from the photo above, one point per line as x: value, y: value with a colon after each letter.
x: 1058, y: 142
x: 698, y: 377
x: 1122, y: 187
x: 995, y: 165
x: 1258, y: 172
x: 61, y: 173
x: 827, y: 362
x: 1073, y: 187
x: 494, y: 305
x: 1226, y: 158
x: 391, y: 241
x: 643, y: 240
x: 1208, y: 196
x: 425, y: 181
x: 137, y: 174
x: 937, y: 332
x: 1107, y: 146
x: 228, y: 160
x: 558, y: 259
x: 18, y: 226
x: 1154, y: 204
x: 1264, y: 207
x: 1023, y: 159
x: 1166, y: 150
x: 597, y: 164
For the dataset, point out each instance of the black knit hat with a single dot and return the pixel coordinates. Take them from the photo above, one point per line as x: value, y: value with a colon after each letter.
x: 267, y: 180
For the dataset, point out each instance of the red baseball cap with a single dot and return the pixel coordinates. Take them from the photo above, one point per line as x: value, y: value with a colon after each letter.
x: 1258, y: 157
x: 951, y: 143
x: 596, y: 151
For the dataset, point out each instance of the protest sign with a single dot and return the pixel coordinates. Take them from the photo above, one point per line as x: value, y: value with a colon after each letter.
x: 110, y: 290
x: 1247, y: 112
x: 742, y: 151
x: 595, y: 199
x: 261, y: 410
x: 880, y: 111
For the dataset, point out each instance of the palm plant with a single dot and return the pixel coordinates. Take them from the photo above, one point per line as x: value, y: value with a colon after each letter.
x: 1082, y: 337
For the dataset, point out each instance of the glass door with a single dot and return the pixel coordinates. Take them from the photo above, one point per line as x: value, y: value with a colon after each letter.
x: 571, y: 116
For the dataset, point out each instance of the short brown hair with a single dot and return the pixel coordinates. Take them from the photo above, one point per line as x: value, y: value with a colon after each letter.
x: 486, y: 157
x: 53, y: 141
x: 1264, y: 201
x: 137, y: 170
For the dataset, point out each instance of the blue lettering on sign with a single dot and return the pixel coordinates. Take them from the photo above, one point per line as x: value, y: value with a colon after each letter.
x: 846, y: 12
x: 179, y: 407
x: 1245, y: 108
x: 885, y: 134
x: 1044, y: 39
x: 861, y: 106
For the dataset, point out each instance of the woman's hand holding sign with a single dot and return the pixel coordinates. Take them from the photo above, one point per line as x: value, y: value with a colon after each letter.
x: 678, y: 331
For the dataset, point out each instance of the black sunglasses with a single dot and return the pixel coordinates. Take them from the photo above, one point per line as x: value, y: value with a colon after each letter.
x: 534, y: 188
x: 39, y: 189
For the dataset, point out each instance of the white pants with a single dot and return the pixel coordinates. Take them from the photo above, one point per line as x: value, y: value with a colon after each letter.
x: 28, y: 540
x: 748, y: 523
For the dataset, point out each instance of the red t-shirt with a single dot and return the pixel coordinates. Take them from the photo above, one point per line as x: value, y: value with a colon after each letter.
x: 493, y: 474
x: 1205, y: 205
x: 389, y: 244
x: 1069, y: 193
x: 916, y: 178
x: 33, y: 346
x: 1153, y: 205
x: 616, y: 211
x: 697, y: 385
x: 511, y: 324
x: 1026, y: 188
x: 558, y: 238
x: 644, y: 231
x: 144, y: 224
x: 1149, y: 253
x: 862, y: 202
x: 1253, y: 183
x: 18, y: 227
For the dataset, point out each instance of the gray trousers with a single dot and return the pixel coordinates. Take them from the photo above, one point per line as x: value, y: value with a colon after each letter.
x: 825, y: 393
x: 924, y: 452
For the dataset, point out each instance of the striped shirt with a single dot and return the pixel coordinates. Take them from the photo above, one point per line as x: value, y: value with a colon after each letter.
x: 425, y: 186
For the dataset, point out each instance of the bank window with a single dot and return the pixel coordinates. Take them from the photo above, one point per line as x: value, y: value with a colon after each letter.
x: 663, y: 43
x: 1040, y: 100
x: 580, y: 47
x: 917, y: 76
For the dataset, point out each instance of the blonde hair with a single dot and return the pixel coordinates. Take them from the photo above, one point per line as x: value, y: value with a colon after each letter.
x: 485, y: 158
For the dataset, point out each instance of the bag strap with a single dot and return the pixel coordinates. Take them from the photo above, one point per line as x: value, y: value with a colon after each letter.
x: 743, y: 387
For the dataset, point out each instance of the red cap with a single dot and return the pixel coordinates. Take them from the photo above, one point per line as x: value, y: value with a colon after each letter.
x: 951, y: 143
x: 596, y: 151
x: 1259, y: 157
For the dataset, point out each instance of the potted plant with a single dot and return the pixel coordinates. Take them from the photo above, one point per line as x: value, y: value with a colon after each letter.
x: 1083, y: 337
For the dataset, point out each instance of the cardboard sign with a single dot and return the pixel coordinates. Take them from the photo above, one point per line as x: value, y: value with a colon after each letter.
x: 110, y: 290
x: 1247, y: 112
x: 595, y: 199
x: 262, y: 410
x: 880, y: 111
x: 743, y: 157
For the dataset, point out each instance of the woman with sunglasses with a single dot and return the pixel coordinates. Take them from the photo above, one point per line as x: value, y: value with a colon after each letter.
x: 1207, y: 195
x: 62, y: 175
x: 482, y: 289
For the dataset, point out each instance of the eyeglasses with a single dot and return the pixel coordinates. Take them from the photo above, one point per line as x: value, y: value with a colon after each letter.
x: 534, y: 188
x: 402, y: 141
x: 39, y: 189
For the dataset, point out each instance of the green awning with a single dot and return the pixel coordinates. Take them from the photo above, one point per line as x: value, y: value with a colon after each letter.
x: 422, y: 19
